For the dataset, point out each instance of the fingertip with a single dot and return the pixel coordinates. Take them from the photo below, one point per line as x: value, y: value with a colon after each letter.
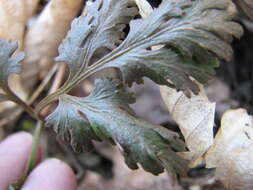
x: 51, y: 174
x: 21, y: 137
x: 20, y: 142
x: 14, y: 152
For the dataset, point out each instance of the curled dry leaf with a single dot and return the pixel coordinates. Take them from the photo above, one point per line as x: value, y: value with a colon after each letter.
x: 44, y: 37
x: 232, y: 151
x: 195, y: 117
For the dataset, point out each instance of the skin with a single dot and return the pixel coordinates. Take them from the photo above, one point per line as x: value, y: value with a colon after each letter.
x: 51, y: 174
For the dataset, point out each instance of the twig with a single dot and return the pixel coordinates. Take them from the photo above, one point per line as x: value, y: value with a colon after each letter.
x: 13, y: 97
x: 31, y: 100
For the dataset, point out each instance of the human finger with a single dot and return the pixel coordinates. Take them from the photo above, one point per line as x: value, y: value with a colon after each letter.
x: 51, y: 174
x: 14, y: 153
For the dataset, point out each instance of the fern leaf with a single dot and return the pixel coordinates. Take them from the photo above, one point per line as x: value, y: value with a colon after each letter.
x: 9, y: 64
x: 105, y: 115
x: 195, y: 35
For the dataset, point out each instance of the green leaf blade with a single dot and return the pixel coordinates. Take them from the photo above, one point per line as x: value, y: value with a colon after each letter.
x: 71, y: 127
x: 111, y: 119
x: 102, y: 26
x: 160, y: 65
x: 71, y: 50
x: 199, y: 32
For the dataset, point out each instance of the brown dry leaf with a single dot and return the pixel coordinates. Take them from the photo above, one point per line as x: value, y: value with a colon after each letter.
x: 13, y: 18
x: 232, y: 151
x: 14, y: 15
x: 195, y: 116
x: 44, y: 37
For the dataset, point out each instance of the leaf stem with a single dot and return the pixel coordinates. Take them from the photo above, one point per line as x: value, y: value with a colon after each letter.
x: 13, y: 97
x: 33, y: 97
x: 32, y: 157
x: 120, y: 50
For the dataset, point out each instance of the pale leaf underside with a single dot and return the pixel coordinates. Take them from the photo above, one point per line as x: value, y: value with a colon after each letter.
x: 102, y: 26
x: 195, y: 34
x: 8, y: 64
x: 231, y: 153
